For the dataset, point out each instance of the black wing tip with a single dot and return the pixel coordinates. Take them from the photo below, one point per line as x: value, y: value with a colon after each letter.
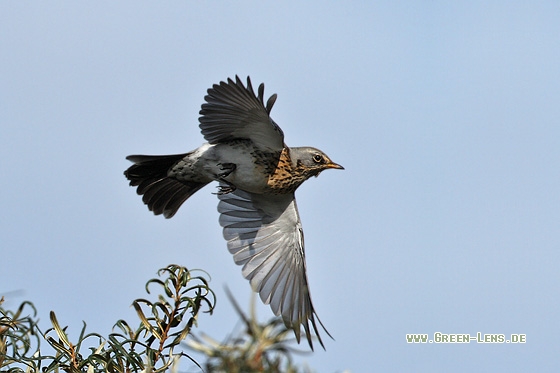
x: 308, y: 334
x: 241, y: 88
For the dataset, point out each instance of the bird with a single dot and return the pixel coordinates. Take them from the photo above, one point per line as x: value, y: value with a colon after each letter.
x: 257, y: 175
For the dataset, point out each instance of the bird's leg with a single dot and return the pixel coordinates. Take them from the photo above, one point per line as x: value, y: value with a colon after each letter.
x: 227, y: 169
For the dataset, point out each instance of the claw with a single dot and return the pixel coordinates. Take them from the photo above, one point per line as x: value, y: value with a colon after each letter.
x: 225, y: 189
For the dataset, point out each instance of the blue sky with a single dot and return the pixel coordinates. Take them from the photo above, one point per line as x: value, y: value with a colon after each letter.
x: 445, y: 115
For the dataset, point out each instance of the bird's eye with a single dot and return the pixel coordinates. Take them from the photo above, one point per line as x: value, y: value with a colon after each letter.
x: 318, y: 158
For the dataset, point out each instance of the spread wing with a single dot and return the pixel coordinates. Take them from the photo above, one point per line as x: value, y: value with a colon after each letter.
x: 264, y: 235
x: 233, y: 111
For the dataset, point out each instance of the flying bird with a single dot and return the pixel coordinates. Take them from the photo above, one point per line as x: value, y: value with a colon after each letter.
x: 258, y: 175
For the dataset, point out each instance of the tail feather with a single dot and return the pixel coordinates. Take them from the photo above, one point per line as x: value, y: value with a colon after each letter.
x: 163, y: 194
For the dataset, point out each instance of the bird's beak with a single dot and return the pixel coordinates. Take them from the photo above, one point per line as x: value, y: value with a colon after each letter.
x: 336, y: 166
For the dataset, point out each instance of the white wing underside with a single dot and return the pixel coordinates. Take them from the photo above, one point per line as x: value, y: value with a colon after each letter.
x: 265, y: 236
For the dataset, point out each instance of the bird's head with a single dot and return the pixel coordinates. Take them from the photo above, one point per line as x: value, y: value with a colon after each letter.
x: 311, y: 161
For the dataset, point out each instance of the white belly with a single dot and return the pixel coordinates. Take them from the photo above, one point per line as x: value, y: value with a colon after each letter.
x: 247, y: 175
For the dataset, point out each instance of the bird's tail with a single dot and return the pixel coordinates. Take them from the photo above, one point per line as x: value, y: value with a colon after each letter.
x: 163, y: 194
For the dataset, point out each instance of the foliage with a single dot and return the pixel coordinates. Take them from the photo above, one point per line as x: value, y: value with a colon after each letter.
x: 166, y: 322
x: 258, y: 348
x: 155, y: 345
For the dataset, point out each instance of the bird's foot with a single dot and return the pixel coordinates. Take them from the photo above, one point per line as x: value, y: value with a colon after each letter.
x: 225, y: 188
x: 227, y: 169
